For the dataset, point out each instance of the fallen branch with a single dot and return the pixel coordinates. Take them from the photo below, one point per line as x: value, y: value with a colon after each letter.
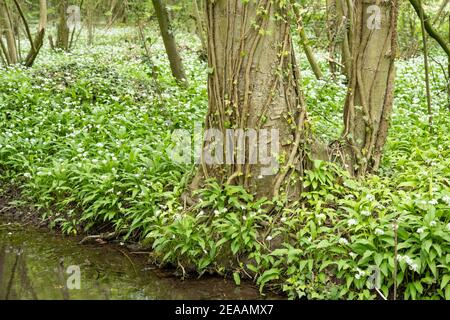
x: 102, y: 237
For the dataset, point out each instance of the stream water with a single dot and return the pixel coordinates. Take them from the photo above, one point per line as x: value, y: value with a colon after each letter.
x: 37, y: 264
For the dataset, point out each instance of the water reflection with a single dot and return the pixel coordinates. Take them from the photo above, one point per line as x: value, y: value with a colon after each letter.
x: 34, y: 265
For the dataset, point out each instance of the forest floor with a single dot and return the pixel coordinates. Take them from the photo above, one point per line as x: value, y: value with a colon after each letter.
x: 84, y: 139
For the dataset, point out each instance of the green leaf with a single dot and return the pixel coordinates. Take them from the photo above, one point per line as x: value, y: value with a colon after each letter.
x: 237, y: 278
x: 267, y: 276
x: 427, y: 245
x: 445, y: 280
x: 235, y: 246
x: 418, y: 286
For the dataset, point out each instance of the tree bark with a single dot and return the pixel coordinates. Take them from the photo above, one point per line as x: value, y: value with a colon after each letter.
x: 200, y: 25
x: 370, y: 96
x: 254, y: 85
x: 176, y: 64
x: 427, y: 69
x: 90, y: 21
x: 345, y: 10
x: 304, y: 41
x: 62, y: 41
x: 39, y: 38
x: 332, y: 31
x: 448, y: 66
x: 7, y: 29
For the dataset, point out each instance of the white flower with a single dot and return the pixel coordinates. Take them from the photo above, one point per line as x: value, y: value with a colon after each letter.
x: 433, y: 202
x: 269, y: 238
x: 420, y: 230
x: 216, y: 212
x: 446, y: 199
x: 343, y: 241
x: 360, y: 273
x: 433, y: 223
x: 244, y: 218
x: 27, y: 175
x: 284, y: 219
x: 352, y: 222
x: 370, y: 197
x: 414, y: 267
x: 201, y: 213
x: 408, y: 260
x: 379, y: 232
x: 366, y: 213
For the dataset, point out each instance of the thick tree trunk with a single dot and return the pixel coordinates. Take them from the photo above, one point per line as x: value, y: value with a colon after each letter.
x: 253, y: 88
x: 370, y: 96
x: 169, y: 42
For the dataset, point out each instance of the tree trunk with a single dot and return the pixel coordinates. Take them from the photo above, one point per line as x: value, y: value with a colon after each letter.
x: 428, y: 26
x: 169, y: 42
x: 255, y: 123
x: 345, y: 20
x: 304, y: 42
x: 63, y: 35
x: 448, y: 66
x: 7, y: 29
x: 90, y: 21
x: 112, y: 6
x: 39, y: 38
x: 370, y: 97
x: 200, y: 25
x: 332, y: 31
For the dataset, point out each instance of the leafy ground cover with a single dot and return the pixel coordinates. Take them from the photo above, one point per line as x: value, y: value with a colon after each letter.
x: 83, y: 135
